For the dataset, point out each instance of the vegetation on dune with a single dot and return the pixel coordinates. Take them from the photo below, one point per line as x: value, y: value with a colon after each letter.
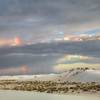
x: 50, y: 86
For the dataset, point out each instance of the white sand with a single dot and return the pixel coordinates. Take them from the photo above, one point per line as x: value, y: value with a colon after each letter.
x: 20, y: 95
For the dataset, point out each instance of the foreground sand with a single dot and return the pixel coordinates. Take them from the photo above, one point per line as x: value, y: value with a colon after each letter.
x: 23, y: 95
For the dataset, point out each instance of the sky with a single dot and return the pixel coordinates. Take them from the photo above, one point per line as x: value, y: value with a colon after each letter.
x: 34, y: 21
x: 40, y: 19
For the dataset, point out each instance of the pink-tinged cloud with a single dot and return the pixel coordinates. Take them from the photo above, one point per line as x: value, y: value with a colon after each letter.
x: 15, y: 70
x: 4, y: 42
x: 17, y: 41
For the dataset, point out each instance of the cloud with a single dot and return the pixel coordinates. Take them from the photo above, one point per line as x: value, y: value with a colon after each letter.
x: 10, y: 41
x: 5, y: 42
x: 31, y: 17
x: 74, y: 58
x: 38, y: 20
x: 91, y: 48
x: 14, y: 70
x: 18, y: 41
x: 88, y: 51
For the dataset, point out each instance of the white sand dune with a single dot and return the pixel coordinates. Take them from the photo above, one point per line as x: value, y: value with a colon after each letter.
x: 80, y: 75
x: 75, y: 75
x: 45, y: 77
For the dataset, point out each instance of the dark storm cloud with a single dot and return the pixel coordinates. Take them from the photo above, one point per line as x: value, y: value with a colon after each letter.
x: 15, y: 56
x: 42, y: 16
